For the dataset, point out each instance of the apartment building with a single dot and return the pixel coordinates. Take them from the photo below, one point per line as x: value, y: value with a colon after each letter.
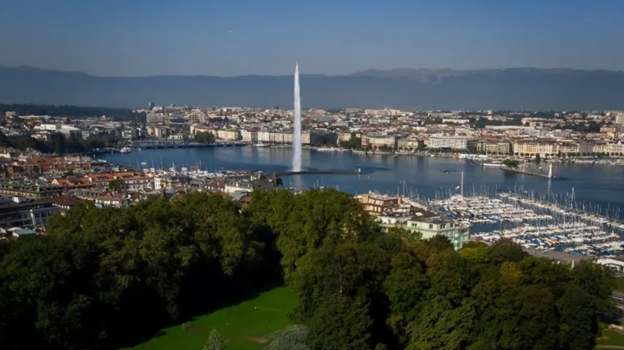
x: 377, y: 141
x: 452, y: 142
x: 608, y: 148
x: 543, y: 148
x: 228, y: 134
x: 493, y: 147
x: 410, y: 143
x: 250, y: 135
x: 433, y: 226
x: 377, y: 204
x: 22, y: 212
x: 134, y: 181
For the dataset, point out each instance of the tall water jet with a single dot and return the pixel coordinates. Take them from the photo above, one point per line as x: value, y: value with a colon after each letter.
x: 296, y: 163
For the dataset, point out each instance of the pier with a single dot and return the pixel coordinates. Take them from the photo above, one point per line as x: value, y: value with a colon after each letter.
x: 150, y: 144
x: 321, y: 172
x: 532, y: 173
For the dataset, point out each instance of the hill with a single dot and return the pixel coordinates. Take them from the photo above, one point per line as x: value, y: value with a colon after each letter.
x: 531, y: 88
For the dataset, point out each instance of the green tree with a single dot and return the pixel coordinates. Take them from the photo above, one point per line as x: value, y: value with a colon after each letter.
x: 290, y: 338
x: 214, y: 341
x: 317, y: 218
x: 511, y: 163
x: 406, y: 288
x: 117, y: 185
x: 57, y: 143
x: 204, y: 137
x: 340, y: 322
x: 93, y: 142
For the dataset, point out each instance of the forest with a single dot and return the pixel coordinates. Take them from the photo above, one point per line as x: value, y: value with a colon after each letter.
x: 80, y: 112
x: 109, y: 278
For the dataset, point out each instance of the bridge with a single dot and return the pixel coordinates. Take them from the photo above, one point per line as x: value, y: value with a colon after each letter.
x: 151, y: 144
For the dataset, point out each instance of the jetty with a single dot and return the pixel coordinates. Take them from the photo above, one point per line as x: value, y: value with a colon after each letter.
x: 321, y: 172
x: 549, y: 175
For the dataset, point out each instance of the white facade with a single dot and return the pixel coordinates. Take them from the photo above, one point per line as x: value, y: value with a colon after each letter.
x: 452, y: 142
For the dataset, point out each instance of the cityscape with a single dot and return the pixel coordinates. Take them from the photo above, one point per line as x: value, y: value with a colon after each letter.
x: 365, y: 226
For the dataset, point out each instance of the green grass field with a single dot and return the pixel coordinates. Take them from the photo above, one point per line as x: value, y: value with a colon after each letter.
x: 237, y: 324
x: 610, y: 337
x: 620, y: 285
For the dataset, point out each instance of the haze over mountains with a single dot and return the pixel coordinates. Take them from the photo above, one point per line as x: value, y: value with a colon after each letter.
x: 514, y: 88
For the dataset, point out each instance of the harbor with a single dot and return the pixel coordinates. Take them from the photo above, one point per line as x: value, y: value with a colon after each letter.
x: 537, y: 173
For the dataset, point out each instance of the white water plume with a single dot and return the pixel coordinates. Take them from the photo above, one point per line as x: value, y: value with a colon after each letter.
x: 296, y: 163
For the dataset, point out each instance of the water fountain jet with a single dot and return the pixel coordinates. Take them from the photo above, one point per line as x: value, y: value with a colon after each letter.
x: 296, y: 163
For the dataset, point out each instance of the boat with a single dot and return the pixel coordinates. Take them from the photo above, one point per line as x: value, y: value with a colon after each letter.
x: 491, y: 165
x: 125, y: 150
x: 260, y: 144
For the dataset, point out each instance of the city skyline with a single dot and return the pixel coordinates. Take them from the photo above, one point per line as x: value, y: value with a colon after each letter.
x: 141, y: 38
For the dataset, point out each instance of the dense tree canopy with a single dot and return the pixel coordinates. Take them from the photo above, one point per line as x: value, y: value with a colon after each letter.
x: 105, y: 278
x: 119, y: 114
x: 204, y: 137
x: 59, y: 144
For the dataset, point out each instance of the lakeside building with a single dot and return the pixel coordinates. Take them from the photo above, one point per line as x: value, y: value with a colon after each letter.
x: 543, y: 148
x: 493, y: 146
x: 376, y: 140
x: 452, y: 142
x: 393, y: 211
x: 430, y: 227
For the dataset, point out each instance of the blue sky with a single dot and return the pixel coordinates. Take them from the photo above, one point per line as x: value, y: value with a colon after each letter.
x: 236, y: 37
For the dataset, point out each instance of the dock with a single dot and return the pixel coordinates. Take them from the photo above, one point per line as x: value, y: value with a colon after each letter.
x: 321, y: 172
x: 532, y: 173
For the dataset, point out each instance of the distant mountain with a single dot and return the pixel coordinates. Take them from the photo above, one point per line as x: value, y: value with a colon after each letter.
x: 533, y: 89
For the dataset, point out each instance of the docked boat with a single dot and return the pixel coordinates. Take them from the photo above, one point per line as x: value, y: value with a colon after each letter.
x: 491, y: 165
x: 260, y: 144
x: 125, y: 150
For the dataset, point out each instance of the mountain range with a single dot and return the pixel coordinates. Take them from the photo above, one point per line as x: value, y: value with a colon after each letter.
x: 449, y: 89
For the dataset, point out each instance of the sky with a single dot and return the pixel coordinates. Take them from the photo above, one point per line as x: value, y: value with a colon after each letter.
x: 241, y: 37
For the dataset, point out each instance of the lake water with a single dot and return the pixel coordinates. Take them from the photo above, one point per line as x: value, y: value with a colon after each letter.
x: 598, y: 185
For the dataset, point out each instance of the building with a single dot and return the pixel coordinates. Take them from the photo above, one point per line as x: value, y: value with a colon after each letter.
x: 378, y: 204
x: 28, y: 213
x: 433, y: 226
x: 70, y: 132
x: 378, y: 141
x: 458, y: 143
x: 250, y: 135
x: 410, y: 143
x: 134, y: 181
x: 543, y: 148
x: 228, y: 134
x: 493, y: 147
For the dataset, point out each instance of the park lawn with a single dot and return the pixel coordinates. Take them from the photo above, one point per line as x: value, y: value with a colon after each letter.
x: 237, y: 324
x: 620, y: 285
x: 610, y: 337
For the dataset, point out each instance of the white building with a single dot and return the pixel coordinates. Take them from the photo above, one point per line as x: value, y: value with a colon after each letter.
x: 433, y: 226
x: 452, y: 142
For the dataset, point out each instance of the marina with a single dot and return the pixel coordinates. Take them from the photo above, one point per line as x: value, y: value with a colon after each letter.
x: 539, y: 224
x: 545, y: 215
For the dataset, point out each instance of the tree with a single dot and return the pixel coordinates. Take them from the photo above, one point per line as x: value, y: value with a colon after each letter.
x: 291, y: 338
x: 214, y: 341
x: 339, y: 323
x: 506, y: 250
x: 317, y: 218
x: 204, y: 137
x: 93, y: 142
x: 511, y: 163
x: 353, y: 143
x: 57, y: 143
x: 405, y: 287
x: 117, y: 185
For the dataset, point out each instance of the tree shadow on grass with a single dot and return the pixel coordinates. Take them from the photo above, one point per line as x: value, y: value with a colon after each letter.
x: 205, y: 293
